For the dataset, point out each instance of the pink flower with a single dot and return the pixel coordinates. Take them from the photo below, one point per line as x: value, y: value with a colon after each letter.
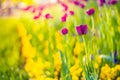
x: 48, y: 16
x: 27, y: 8
x: 64, y: 31
x: 85, y: 0
x: 101, y: 2
x: 76, y: 3
x: 81, y: 5
x: 112, y: 2
x: 37, y: 16
x: 82, y: 29
x: 64, y: 17
x: 71, y: 12
x: 41, y: 8
x: 90, y: 12
x: 64, y: 6
x: 33, y: 10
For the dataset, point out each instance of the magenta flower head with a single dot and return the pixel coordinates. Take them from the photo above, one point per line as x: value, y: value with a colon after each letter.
x: 37, y: 16
x: 101, y: 2
x: 64, y: 17
x: 64, y: 6
x: 76, y: 2
x: 71, y: 12
x: 33, y: 10
x: 64, y: 31
x: 27, y: 8
x: 90, y: 12
x: 41, y: 7
x: 112, y: 2
x: 81, y: 5
x: 48, y: 16
x: 85, y: 0
x: 82, y: 29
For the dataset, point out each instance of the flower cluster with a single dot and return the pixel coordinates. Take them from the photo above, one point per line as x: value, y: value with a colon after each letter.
x: 72, y: 57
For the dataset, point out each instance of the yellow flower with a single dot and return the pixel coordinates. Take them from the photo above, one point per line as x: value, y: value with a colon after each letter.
x: 108, y: 73
x: 35, y: 28
x: 96, y: 66
x: 46, y: 51
x: 79, y: 47
x: 99, y: 60
x: 58, y: 37
x: 47, y: 64
x: 79, y: 71
x: 113, y: 73
x: 75, y: 78
x: 60, y: 46
x: 105, y: 71
x: 21, y: 30
x: 117, y: 67
x: 29, y: 37
x: 40, y: 37
x: 32, y: 67
x: 118, y: 78
x: 52, y: 46
x: 57, y: 61
x: 42, y: 77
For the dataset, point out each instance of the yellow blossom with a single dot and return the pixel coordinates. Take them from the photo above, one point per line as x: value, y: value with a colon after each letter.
x: 40, y: 37
x: 118, y: 78
x: 75, y: 78
x: 96, y: 66
x: 21, y: 30
x: 79, y: 47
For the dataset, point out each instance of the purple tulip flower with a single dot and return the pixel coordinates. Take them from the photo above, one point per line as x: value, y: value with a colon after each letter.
x: 90, y: 12
x: 101, y: 2
x: 76, y: 3
x: 27, y: 8
x: 37, y: 16
x: 48, y: 16
x: 112, y: 2
x: 64, y: 6
x: 64, y: 31
x: 71, y: 12
x: 82, y: 29
x: 64, y: 17
x: 81, y: 5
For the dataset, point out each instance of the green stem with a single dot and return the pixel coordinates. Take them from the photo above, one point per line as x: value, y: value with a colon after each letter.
x: 93, y: 24
x: 85, y: 47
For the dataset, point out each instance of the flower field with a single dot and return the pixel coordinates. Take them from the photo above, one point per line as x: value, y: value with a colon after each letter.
x: 65, y: 40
